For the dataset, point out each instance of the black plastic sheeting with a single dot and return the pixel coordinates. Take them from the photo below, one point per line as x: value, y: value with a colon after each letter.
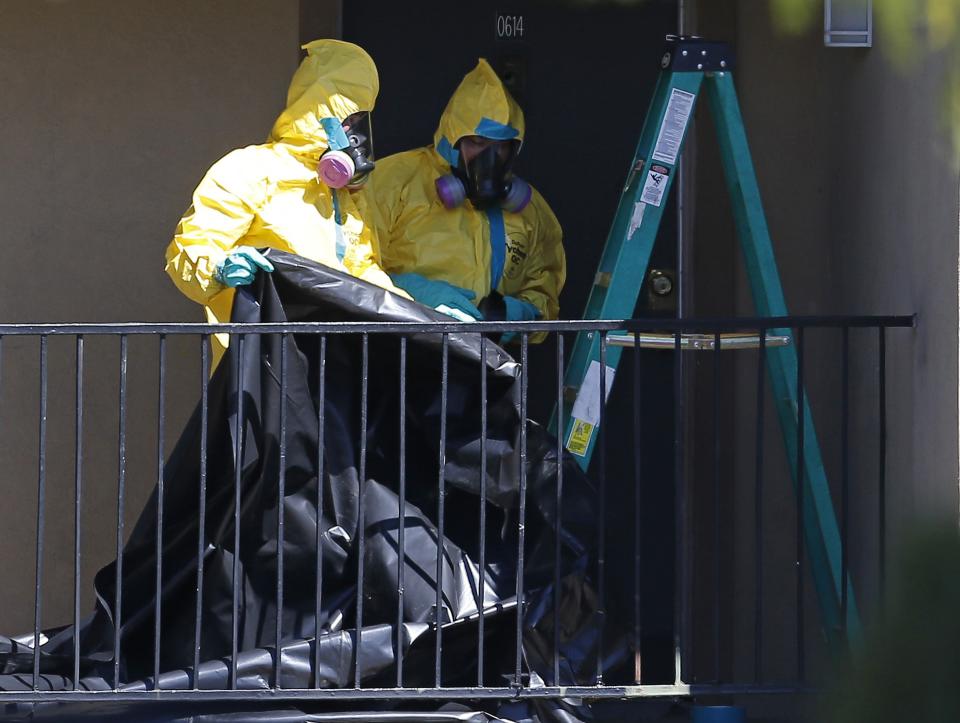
x: 303, y: 291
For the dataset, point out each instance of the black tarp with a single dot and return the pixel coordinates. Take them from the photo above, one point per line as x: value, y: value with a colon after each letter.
x: 302, y: 291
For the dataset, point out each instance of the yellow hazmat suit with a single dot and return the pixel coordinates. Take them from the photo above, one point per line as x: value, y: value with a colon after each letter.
x: 517, y: 254
x: 269, y: 195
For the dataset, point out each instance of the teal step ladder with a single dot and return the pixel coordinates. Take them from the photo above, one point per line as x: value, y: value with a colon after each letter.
x: 691, y: 66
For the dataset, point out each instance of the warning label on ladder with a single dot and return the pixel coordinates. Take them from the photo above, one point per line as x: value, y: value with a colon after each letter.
x: 655, y: 185
x: 674, y: 126
x: 579, y: 440
x: 586, y: 409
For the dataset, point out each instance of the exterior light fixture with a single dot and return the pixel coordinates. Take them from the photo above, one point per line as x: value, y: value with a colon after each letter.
x: 848, y: 23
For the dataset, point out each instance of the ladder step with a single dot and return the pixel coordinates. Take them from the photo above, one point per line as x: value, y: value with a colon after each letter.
x: 696, y: 342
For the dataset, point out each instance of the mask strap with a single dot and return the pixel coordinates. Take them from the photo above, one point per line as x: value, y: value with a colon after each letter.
x: 498, y: 245
x: 338, y: 221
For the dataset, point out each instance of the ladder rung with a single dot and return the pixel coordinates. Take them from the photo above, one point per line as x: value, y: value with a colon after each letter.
x: 697, y: 342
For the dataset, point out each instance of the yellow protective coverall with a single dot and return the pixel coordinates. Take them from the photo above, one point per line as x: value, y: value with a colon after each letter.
x: 269, y: 195
x: 518, y: 254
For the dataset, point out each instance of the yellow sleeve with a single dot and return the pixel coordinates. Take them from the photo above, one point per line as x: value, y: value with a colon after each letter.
x: 224, y: 207
x: 363, y: 261
x: 383, y: 199
x: 546, y: 269
x: 372, y: 223
x: 370, y: 270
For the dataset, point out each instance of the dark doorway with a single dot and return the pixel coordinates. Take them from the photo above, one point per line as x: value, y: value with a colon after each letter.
x: 584, y: 72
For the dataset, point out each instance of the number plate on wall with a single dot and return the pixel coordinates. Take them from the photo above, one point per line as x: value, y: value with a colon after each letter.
x: 509, y: 27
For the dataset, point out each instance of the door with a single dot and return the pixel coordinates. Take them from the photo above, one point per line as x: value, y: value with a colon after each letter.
x: 584, y: 73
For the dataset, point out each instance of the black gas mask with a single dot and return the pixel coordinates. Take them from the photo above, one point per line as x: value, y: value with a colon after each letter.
x: 485, y: 176
x: 486, y: 179
x: 349, y: 159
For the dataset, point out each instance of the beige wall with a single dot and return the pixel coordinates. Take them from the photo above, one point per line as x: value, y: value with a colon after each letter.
x: 861, y: 196
x: 862, y: 199
x: 110, y: 114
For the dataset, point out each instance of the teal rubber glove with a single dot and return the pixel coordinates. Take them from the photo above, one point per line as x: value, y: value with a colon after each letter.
x: 240, y: 267
x: 520, y: 310
x: 517, y: 310
x: 435, y: 294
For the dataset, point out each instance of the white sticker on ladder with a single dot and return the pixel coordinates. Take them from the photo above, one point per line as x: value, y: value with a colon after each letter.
x: 636, y: 219
x: 587, y: 406
x: 674, y: 126
x: 655, y: 185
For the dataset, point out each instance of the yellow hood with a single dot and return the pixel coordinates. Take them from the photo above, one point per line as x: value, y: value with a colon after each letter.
x: 480, y: 106
x: 334, y: 80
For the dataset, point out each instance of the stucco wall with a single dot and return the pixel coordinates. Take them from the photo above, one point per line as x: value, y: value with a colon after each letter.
x: 861, y: 196
x: 111, y: 113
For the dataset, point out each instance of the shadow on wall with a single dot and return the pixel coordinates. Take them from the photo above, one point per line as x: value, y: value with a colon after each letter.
x: 909, y: 666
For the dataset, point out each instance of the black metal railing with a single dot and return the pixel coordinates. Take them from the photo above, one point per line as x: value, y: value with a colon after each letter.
x: 708, y: 441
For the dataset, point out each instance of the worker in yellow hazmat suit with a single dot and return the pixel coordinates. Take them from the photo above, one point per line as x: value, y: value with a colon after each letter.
x: 457, y: 229
x: 290, y: 193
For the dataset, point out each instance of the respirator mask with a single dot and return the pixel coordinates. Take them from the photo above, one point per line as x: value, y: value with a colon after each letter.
x: 349, y: 158
x: 486, y: 180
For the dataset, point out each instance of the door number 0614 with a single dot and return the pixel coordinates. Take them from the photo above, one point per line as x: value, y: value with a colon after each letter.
x: 509, y: 26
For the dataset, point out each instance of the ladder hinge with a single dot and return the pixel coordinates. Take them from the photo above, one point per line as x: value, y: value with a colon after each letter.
x: 686, y: 54
x: 634, y: 172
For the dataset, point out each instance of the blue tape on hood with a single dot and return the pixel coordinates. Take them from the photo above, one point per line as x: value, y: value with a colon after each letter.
x: 448, y: 153
x: 336, y: 138
x: 489, y: 128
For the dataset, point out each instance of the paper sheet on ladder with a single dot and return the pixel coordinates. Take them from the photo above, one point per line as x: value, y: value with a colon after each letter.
x: 587, y: 406
x: 585, y: 415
